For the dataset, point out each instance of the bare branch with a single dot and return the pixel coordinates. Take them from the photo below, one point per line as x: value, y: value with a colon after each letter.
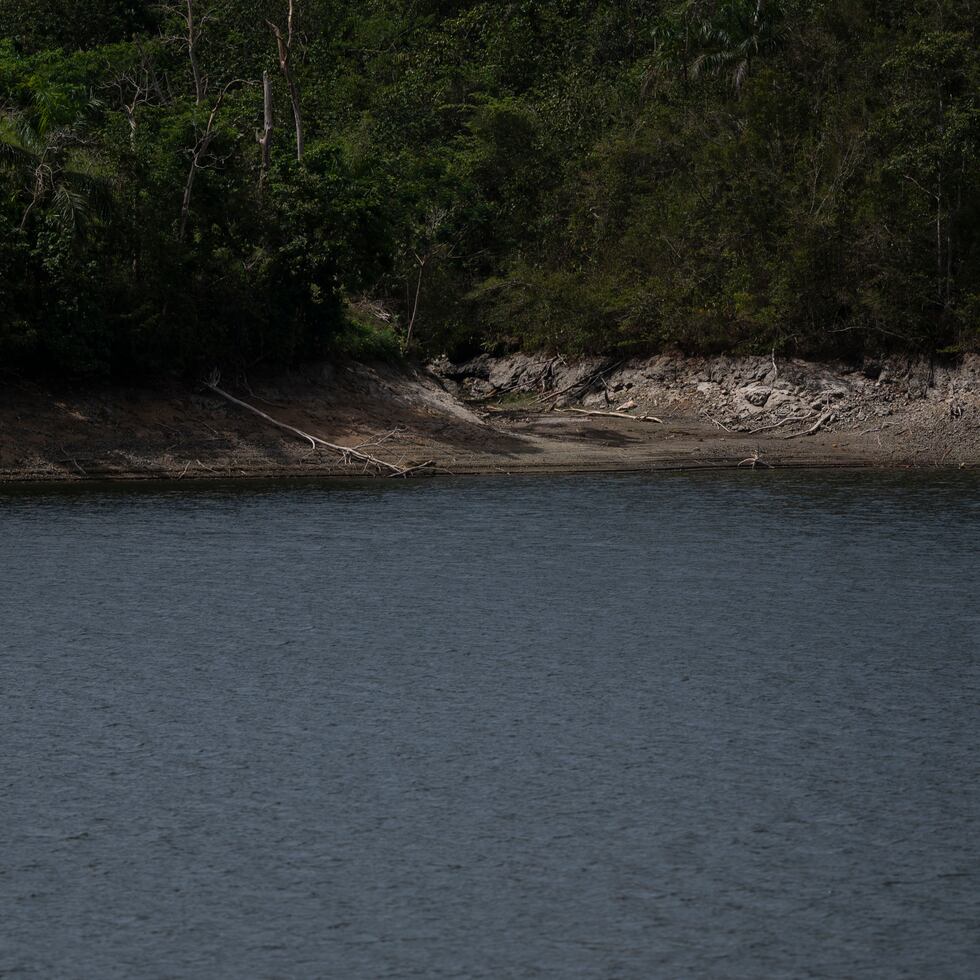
x: 198, y: 154
x: 346, y: 453
x: 193, y: 34
x: 614, y: 415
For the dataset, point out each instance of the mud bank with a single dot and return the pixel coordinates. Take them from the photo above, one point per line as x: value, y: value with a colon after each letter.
x: 516, y: 414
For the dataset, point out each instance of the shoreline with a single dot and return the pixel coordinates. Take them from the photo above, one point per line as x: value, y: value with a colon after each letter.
x: 289, y: 478
x: 515, y: 415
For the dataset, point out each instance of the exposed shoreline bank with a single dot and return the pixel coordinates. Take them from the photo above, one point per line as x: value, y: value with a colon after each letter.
x: 516, y: 414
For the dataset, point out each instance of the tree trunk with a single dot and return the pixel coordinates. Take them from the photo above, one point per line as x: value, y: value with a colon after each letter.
x: 192, y: 54
x: 185, y: 205
x: 298, y: 118
x: 265, y: 138
x: 284, y: 46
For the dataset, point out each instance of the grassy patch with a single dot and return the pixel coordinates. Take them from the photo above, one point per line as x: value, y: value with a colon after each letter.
x: 367, y: 338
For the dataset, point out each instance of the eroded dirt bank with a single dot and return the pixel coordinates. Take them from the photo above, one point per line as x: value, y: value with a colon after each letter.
x: 516, y: 414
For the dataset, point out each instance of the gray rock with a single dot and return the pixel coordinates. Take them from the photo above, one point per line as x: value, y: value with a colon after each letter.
x: 757, y: 395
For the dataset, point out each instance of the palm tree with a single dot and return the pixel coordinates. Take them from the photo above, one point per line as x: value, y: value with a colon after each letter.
x: 732, y: 33
x: 49, y: 158
x: 721, y: 36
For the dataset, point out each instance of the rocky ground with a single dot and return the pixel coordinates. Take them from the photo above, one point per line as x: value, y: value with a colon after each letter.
x: 897, y: 411
x: 516, y: 414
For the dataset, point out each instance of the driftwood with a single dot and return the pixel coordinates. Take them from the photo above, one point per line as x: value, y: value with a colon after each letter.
x: 814, y: 429
x: 346, y: 453
x: 71, y: 459
x: 776, y: 425
x: 755, y: 460
x: 712, y: 419
x: 615, y: 415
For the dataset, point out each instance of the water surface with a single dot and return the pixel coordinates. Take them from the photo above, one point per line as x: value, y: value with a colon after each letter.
x: 633, y: 727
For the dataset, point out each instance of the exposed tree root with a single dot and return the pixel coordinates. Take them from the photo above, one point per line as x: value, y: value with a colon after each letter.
x: 814, y: 429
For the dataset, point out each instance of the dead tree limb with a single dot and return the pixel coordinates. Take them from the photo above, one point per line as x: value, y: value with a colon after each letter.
x: 414, y: 469
x: 776, y: 425
x: 720, y: 425
x: 346, y: 453
x: 193, y: 34
x: 615, y: 415
x: 755, y: 460
x: 134, y: 89
x: 284, y: 47
x: 814, y: 429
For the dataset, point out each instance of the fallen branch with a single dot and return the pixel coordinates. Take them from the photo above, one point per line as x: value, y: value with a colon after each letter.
x: 720, y: 425
x: 755, y: 460
x: 614, y: 415
x: 414, y: 469
x: 519, y: 386
x: 381, y: 440
x: 776, y: 425
x: 259, y: 398
x: 71, y: 459
x: 815, y: 428
x: 584, y: 383
x: 346, y: 453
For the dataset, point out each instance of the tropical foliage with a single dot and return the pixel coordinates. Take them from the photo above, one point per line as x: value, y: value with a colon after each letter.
x: 578, y: 175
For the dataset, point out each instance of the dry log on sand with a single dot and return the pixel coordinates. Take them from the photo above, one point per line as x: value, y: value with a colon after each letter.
x: 346, y: 453
x: 614, y: 415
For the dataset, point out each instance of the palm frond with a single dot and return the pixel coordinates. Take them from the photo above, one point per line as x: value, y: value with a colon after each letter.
x: 13, y: 153
x: 16, y: 131
x: 69, y: 208
x: 95, y: 190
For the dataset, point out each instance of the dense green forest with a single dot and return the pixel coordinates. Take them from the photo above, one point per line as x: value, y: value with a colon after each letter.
x: 575, y: 175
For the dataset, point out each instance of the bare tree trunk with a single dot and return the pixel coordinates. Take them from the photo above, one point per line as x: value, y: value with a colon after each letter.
x: 298, y: 119
x: 185, y: 205
x: 265, y: 137
x: 940, y: 283
x: 192, y: 35
x: 415, y: 309
x: 284, y: 46
x: 939, y: 236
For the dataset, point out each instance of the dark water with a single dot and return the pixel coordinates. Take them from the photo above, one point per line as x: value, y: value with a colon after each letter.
x: 630, y: 727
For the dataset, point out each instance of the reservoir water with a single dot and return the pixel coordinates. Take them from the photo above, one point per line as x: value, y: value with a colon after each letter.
x: 717, y: 725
